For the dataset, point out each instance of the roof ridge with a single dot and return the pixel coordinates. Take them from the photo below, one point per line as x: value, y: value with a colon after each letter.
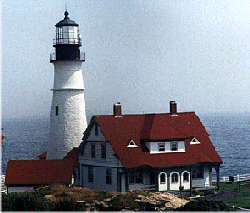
x: 160, y: 113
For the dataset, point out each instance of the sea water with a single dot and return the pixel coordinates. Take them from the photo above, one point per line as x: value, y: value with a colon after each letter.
x: 24, y: 139
x: 230, y: 134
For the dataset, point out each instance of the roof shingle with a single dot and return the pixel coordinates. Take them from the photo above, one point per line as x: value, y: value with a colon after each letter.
x: 152, y: 127
x: 39, y: 171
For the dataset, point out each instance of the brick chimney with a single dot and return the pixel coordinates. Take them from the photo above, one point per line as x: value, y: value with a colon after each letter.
x: 173, y: 108
x: 117, y: 109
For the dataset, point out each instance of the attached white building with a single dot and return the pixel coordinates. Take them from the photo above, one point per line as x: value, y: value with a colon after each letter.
x: 27, y: 175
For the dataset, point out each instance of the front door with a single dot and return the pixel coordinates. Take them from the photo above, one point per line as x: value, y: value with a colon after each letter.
x: 185, y: 179
x: 162, y: 180
x: 174, y: 181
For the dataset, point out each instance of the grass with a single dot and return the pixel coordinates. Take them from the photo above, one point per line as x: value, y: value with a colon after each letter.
x: 61, y: 192
x: 241, y: 200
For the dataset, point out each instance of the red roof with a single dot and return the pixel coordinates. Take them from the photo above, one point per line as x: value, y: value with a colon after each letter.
x: 73, y: 154
x: 39, y: 171
x: 43, y: 155
x: 119, y: 130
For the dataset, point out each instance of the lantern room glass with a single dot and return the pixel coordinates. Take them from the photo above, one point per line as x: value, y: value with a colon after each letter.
x: 67, y: 35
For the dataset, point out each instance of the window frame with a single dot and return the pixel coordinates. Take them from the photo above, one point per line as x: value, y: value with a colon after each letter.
x: 136, y: 176
x: 174, y: 177
x: 108, y: 176
x: 93, y: 150
x: 90, y: 174
x: 103, y: 151
x: 57, y: 110
x: 161, y: 147
x: 174, y: 146
x: 198, y: 172
x: 161, y: 180
x: 186, y: 177
x: 96, y: 130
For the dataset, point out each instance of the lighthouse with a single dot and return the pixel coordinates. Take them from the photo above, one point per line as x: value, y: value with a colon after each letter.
x: 68, y: 116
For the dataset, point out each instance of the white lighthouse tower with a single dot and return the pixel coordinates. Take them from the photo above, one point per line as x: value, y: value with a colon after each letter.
x: 68, y: 116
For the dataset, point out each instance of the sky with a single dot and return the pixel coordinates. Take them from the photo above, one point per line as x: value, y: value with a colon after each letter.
x: 142, y: 53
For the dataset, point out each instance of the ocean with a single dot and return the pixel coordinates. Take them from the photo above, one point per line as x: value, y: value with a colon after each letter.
x: 230, y: 134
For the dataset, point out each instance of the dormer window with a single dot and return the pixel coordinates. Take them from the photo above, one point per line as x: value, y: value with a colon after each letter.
x: 194, y: 141
x: 132, y: 144
x: 161, y: 147
x: 168, y: 146
x: 174, y: 146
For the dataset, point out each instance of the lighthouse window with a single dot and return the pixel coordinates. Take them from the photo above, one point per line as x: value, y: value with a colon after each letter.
x: 57, y: 110
x: 59, y: 35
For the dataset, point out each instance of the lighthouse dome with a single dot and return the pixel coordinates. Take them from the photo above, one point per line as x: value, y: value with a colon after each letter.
x: 66, y: 21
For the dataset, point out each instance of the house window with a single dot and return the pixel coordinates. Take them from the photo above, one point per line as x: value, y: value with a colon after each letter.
x: 136, y: 176
x: 139, y: 176
x: 90, y: 174
x: 108, y: 176
x: 174, y: 146
x: 175, y: 178
x: 92, y: 150
x: 132, y: 177
x: 96, y: 130
x: 103, y: 151
x: 186, y: 177
x: 162, y: 178
x: 198, y: 172
x: 57, y: 110
x: 161, y: 147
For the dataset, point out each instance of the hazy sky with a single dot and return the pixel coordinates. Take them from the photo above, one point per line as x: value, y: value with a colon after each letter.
x: 142, y: 53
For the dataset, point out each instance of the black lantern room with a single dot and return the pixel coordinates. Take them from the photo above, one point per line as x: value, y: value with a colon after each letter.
x: 68, y: 41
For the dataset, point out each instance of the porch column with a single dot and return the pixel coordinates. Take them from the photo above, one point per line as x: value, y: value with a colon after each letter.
x: 126, y: 181
x: 119, y: 181
x: 157, y: 181
x: 168, y: 180
x: 191, y: 182
x: 217, y: 169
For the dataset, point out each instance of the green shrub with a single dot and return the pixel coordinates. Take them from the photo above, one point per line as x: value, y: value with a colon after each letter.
x: 101, y: 194
x: 123, y: 202
x: 67, y: 205
x: 24, y: 202
x: 204, y: 205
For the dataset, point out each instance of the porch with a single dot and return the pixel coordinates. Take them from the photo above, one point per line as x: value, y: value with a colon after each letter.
x: 197, y: 177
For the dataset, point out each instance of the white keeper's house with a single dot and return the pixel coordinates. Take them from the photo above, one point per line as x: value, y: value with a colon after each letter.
x: 162, y: 152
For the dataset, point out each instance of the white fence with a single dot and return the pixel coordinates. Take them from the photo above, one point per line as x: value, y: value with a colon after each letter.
x: 236, y: 178
x: 3, y: 187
